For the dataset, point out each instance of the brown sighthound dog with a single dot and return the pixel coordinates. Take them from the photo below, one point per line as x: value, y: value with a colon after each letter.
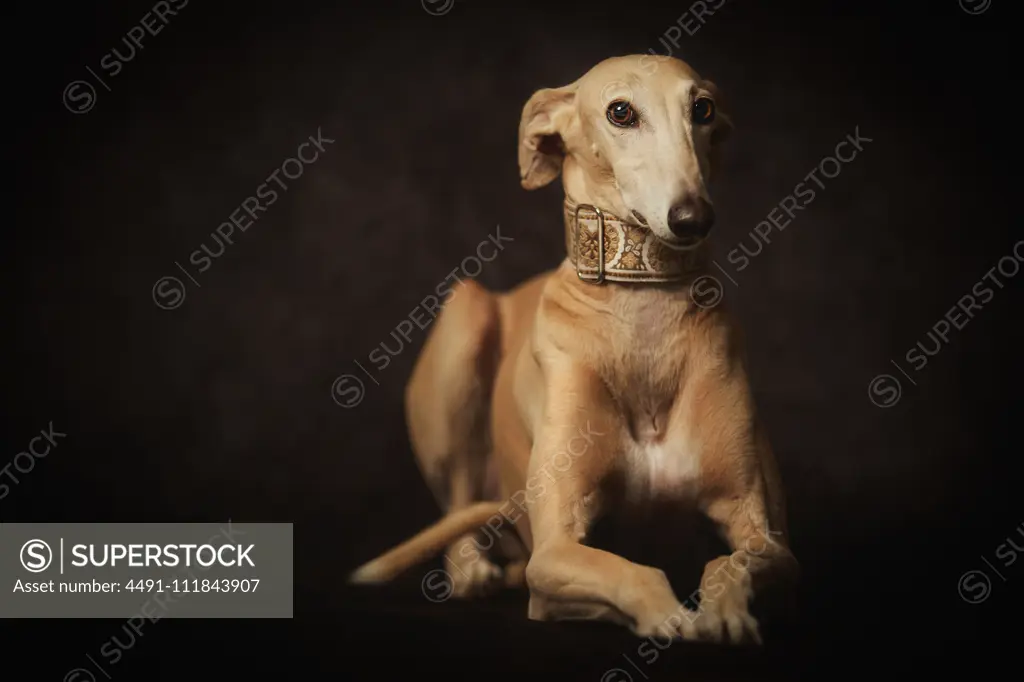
x: 524, y: 405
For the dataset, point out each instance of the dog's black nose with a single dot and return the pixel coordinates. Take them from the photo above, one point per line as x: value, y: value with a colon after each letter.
x: 693, y: 218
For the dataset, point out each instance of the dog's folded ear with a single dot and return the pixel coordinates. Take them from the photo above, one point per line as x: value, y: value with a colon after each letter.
x: 541, y: 147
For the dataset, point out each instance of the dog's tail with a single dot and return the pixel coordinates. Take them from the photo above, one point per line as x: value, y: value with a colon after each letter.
x: 425, y: 543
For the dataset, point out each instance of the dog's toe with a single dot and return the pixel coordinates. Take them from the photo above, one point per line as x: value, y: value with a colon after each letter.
x: 733, y: 627
x: 710, y: 627
x: 688, y: 628
x: 752, y: 629
x: 742, y: 628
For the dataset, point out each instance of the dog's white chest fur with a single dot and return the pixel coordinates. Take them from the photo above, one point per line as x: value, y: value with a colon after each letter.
x: 666, y: 467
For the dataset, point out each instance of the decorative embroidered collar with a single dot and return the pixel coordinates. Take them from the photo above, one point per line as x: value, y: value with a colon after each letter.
x: 628, y: 252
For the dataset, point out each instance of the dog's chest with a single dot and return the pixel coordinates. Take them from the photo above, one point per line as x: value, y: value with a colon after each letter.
x: 657, y: 468
x: 653, y: 351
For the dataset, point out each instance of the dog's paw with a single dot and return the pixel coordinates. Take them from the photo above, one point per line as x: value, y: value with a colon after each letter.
x: 475, y: 578
x: 722, y: 615
x: 710, y: 623
x: 727, y: 625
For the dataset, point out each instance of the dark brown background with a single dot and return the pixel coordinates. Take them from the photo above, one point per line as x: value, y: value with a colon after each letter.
x: 223, y: 407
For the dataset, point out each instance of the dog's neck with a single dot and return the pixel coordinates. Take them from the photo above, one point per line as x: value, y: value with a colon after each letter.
x: 631, y: 252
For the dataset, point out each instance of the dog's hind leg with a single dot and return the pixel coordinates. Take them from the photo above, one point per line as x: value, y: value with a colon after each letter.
x: 447, y: 409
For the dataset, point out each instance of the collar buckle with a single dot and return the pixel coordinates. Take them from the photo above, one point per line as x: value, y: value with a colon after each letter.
x: 599, y: 276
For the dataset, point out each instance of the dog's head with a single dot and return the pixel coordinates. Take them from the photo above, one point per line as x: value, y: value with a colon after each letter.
x: 635, y: 135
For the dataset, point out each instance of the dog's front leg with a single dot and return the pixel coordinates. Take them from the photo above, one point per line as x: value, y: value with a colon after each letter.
x: 760, y: 558
x: 574, y: 449
x: 570, y: 581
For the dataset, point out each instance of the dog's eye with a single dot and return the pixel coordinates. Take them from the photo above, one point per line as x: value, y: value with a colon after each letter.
x: 621, y: 113
x: 703, y: 111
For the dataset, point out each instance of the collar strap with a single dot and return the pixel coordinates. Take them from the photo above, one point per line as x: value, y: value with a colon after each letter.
x: 606, y: 248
